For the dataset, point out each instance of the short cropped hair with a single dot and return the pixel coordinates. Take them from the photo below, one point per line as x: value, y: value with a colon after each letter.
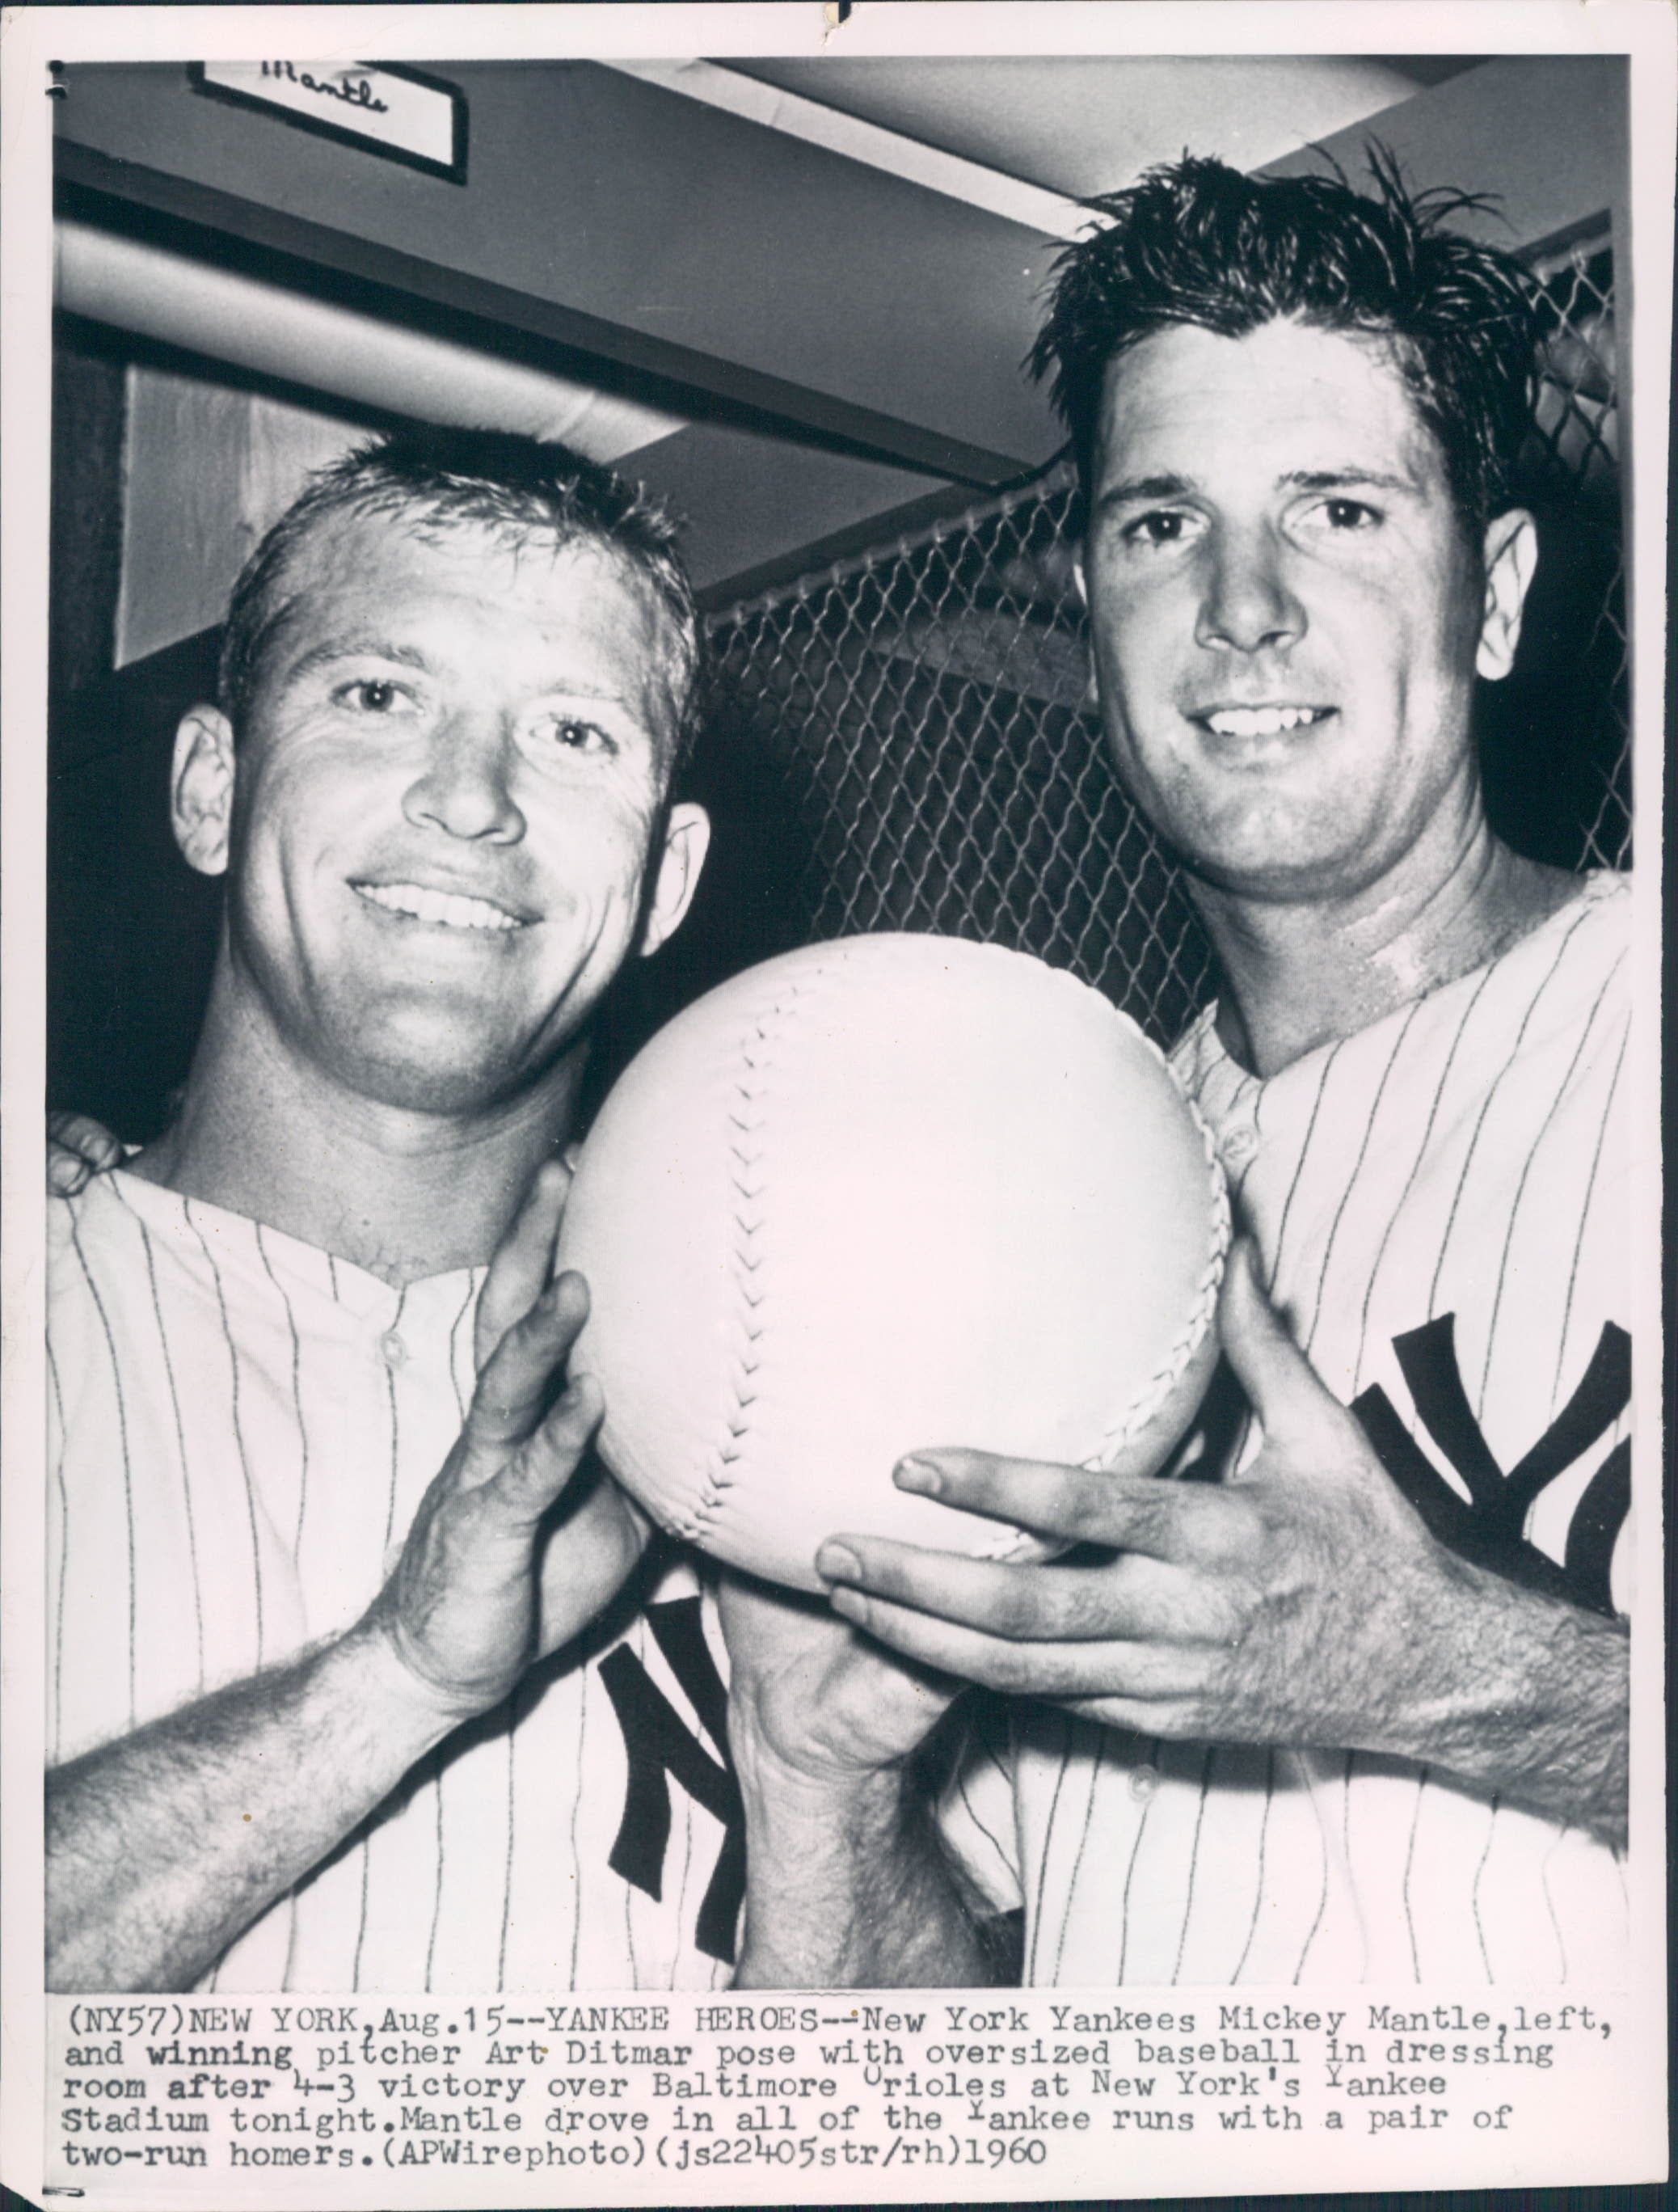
x: 521, y: 486
x: 1197, y: 242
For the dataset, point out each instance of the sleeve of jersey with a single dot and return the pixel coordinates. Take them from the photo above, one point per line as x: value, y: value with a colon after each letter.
x: 975, y: 1813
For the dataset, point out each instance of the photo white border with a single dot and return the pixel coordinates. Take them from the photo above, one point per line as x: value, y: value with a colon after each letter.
x: 32, y: 37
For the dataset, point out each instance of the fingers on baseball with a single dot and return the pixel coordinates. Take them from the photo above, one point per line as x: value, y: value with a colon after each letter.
x: 1035, y: 1669
x: 77, y: 1147
x: 66, y: 1172
x: 1291, y: 1403
x: 1125, y: 1598
x: 1080, y: 1505
x: 1174, y: 1715
x: 515, y: 1385
x: 524, y: 1259
x: 586, y: 1560
x: 541, y: 1470
x: 518, y: 1481
x: 89, y: 1139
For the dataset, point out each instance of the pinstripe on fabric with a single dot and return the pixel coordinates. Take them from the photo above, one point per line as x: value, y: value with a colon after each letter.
x: 1308, y: 1329
x: 268, y: 1458
x: 1129, y: 1877
x: 127, y: 1462
x: 1586, y: 1212
x: 1466, y: 1156
x: 1083, y: 1840
x: 513, y: 1830
x: 61, y: 1496
x: 233, y: 1414
x: 578, y: 1771
x: 1194, y: 1856
x: 1409, y: 1867
x: 296, y: 1390
x: 180, y: 1441
x: 1549, y: 1123
x: 1035, y: 1917
x: 1258, y: 1871
x: 1421, y: 1152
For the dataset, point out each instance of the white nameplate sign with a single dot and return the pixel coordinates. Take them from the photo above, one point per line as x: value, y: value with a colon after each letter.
x: 396, y: 112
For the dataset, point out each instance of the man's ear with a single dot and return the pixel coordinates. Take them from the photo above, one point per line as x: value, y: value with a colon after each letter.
x: 1511, y: 554
x: 201, y: 789
x: 1081, y: 578
x: 687, y: 840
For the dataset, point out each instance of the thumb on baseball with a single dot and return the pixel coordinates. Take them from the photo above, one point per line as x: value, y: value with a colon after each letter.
x: 524, y: 1259
x: 77, y: 1147
x: 515, y: 1389
x: 1284, y: 1392
x: 537, y: 1474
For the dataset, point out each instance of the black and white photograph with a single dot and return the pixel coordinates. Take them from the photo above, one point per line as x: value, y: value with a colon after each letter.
x: 834, y: 1320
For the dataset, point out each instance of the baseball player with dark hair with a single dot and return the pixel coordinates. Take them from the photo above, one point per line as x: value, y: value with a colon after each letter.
x: 322, y: 1716
x: 1349, y: 1701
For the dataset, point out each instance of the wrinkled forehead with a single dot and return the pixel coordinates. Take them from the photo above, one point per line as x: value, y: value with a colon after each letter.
x: 1186, y: 393
x: 412, y: 546
x: 549, y: 580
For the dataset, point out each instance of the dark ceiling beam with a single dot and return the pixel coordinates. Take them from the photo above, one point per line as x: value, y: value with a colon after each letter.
x: 708, y: 255
x: 612, y: 217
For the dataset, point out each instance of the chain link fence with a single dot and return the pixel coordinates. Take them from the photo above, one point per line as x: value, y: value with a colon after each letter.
x: 913, y: 734
x: 1557, y: 738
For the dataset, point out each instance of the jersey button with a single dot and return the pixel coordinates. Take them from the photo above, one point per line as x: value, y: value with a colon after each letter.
x: 1144, y: 1780
x: 391, y: 1349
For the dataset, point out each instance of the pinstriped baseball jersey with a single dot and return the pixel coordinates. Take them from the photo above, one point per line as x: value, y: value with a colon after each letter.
x: 241, y: 1428
x: 1440, y: 1204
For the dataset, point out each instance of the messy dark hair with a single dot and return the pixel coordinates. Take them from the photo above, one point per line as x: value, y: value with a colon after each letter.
x: 521, y: 486
x: 1197, y: 242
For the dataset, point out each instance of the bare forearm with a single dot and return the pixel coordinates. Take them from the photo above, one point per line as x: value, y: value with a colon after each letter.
x: 847, y: 1888
x: 1537, y: 1706
x: 163, y: 1846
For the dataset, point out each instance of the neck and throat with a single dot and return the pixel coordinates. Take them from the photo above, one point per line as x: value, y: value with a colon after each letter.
x: 1302, y: 972
x: 402, y: 1191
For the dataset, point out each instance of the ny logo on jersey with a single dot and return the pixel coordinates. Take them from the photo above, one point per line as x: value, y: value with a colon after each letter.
x: 659, y: 1743
x: 1487, y: 1526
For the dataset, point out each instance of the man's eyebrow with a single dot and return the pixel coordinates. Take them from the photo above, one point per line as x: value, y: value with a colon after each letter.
x: 1171, y: 485
x: 358, y: 645
x: 367, y: 645
x: 1166, y: 486
x: 1349, y: 479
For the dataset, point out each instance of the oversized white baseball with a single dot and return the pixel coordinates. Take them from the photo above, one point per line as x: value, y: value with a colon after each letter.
x: 889, y: 1192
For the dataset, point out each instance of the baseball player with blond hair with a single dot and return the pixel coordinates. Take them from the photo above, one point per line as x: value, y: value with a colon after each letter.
x: 359, y: 1677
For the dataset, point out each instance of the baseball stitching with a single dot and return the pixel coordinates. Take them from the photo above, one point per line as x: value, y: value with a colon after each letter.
x: 1142, y: 1408
x: 1154, y: 1393
x: 746, y: 1122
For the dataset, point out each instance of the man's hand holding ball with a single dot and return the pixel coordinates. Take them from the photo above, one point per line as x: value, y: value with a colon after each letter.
x: 872, y: 1193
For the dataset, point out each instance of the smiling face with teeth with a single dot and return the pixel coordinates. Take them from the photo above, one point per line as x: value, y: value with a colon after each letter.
x: 1288, y: 613
x: 444, y: 821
